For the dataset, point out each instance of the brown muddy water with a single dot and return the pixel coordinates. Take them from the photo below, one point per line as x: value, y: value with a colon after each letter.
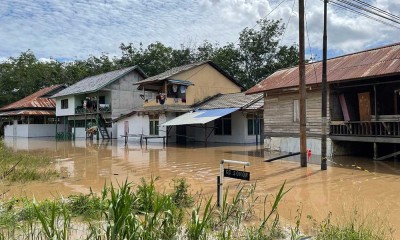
x: 349, y: 183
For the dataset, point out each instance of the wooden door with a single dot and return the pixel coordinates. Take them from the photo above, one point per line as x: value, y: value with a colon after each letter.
x: 364, y: 104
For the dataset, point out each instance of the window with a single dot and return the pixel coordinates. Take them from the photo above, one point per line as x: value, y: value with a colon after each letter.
x: 102, y: 100
x: 223, y: 125
x: 64, y: 103
x: 296, y: 110
x: 252, y: 127
x: 153, y: 125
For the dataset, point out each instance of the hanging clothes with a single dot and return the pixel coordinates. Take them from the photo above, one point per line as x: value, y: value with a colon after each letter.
x: 183, y: 89
x: 174, y: 88
x: 162, y: 99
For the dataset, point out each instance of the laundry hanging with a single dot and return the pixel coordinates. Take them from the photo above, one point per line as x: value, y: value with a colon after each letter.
x: 183, y: 89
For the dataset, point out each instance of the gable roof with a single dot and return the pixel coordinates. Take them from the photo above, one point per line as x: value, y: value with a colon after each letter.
x: 35, y: 100
x: 231, y: 100
x: 377, y: 62
x: 176, y: 70
x: 97, y: 82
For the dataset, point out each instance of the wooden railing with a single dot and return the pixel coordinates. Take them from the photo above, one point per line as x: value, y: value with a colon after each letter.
x: 367, y: 129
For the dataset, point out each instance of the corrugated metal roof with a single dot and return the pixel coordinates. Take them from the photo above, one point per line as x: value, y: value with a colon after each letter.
x: 199, y: 117
x: 232, y: 100
x: 97, y: 82
x: 376, y: 62
x: 173, y: 71
x: 35, y: 100
x: 28, y: 113
x: 257, y: 105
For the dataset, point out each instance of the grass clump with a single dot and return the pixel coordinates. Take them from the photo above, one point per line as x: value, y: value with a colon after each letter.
x: 353, y: 226
x: 22, y: 167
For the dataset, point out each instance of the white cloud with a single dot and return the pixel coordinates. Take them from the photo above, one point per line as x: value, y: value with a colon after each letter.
x: 76, y: 29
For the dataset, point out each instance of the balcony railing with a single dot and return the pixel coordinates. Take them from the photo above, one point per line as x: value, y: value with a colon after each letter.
x: 366, y: 129
x: 168, y: 101
x: 103, y: 108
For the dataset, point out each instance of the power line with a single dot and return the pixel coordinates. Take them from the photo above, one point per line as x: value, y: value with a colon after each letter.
x: 309, y: 45
x: 377, y: 9
x: 368, y: 10
x: 287, y: 24
x: 342, y: 6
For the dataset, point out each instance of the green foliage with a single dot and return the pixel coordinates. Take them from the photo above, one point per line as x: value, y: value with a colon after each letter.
x: 180, y: 196
x: 351, y: 227
x: 88, y: 206
x: 23, y: 167
x: 199, y: 226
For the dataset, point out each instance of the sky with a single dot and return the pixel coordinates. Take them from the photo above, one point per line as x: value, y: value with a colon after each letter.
x: 76, y: 29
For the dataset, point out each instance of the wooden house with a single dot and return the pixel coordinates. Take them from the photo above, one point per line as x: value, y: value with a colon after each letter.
x: 363, y: 104
x: 176, y: 91
x: 88, y: 107
x: 32, y: 116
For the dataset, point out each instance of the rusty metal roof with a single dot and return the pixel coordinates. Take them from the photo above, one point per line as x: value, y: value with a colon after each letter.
x: 35, y: 100
x: 377, y: 62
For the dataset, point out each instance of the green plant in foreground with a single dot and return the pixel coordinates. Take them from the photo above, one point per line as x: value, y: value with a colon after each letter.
x: 355, y: 227
x: 197, y: 228
x: 56, y: 225
x: 180, y: 195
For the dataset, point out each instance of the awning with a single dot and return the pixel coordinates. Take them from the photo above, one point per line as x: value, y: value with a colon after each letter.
x: 199, y: 116
x: 180, y: 82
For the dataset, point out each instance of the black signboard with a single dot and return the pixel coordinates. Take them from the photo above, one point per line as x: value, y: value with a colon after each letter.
x: 237, y: 174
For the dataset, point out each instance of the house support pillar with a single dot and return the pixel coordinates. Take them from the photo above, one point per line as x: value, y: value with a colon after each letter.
x: 375, y: 151
x: 56, y: 126
x: 74, y: 127
x: 257, y: 128
x: 205, y: 135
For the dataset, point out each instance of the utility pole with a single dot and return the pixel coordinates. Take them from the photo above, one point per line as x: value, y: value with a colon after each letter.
x: 324, y: 97
x: 302, y: 90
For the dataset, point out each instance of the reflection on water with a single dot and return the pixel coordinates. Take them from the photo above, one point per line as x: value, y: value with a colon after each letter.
x: 349, y: 181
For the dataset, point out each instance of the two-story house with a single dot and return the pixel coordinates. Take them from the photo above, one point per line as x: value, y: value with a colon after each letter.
x: 88, y: 107
x: 175, y: 92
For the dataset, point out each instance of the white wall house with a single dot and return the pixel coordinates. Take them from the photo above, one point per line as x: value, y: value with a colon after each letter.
x: 232, y: 118
x: 97, y: 100
x: 32, y: 116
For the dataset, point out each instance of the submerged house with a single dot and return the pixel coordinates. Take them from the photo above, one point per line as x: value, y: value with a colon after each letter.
x: 88, y: 107
x: 225, y: 118
x: 32, y: 116
x: 175, y: 92
x: 363, y: 104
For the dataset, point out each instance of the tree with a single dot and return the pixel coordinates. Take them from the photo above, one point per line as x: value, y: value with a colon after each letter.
x: 260, y: 51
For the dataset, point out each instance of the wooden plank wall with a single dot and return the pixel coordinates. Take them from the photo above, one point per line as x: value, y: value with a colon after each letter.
x: 278, y: 114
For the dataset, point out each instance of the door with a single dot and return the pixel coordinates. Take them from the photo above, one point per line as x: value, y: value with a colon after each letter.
x: 364, y: 104
x: 181, y: 134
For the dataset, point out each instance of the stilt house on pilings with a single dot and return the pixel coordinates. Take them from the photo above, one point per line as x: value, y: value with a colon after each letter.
x: 363, y: 104
x: 87, y: 108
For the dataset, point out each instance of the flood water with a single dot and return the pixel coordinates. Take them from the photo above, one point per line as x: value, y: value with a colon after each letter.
x: 349, y: 183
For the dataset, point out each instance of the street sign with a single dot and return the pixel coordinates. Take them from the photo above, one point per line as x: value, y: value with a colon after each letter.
x: 237, y: 174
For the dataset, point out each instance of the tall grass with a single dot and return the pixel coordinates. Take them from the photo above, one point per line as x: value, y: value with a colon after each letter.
x: 352, y: 226
x: 24, y: 167
x: 141, y: 212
